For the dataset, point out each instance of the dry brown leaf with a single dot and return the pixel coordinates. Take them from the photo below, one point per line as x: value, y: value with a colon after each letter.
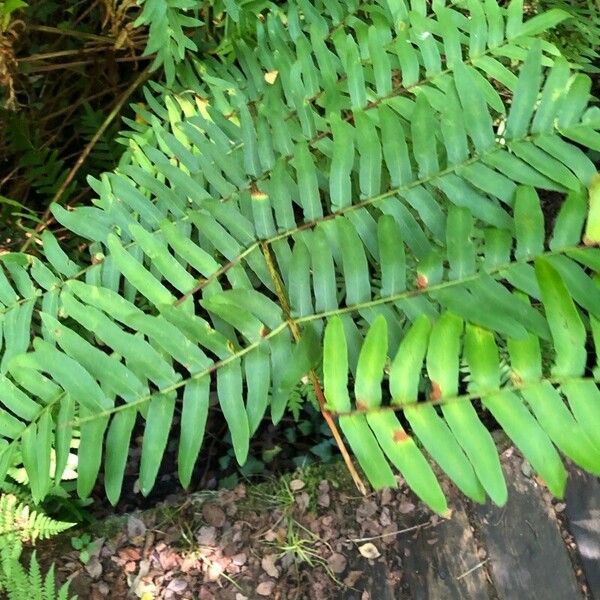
x: 214, y: 571
x: 386, y: 496
x: 239, y: 559
x: 189, y: 563
x: 206, y: 536
x: 168, y: 559
x: 268, y: 565
x: 337, y: 563
x: 213, y: 515
x: 352, y: 577
x: 265, y: 588
x: 296, y: 485
x: 94, y: 567
x: 385, y: 518
x: 369, y: 551
x: 302, y: 500
x: 177, y: 585
x: 136, y: 529
x: 129, y: 567
x: 324, y: 500
x: 129, y: 553
x: 406, y: 506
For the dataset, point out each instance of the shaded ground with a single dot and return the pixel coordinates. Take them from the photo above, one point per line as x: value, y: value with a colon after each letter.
x: 312, y: 536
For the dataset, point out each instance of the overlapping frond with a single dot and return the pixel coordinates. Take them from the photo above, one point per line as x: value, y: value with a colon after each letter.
x: 366, y: 161
x: 533, y: 375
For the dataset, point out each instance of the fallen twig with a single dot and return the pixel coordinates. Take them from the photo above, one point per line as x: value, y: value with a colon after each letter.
x: 477, y: 566
x: 390, y: 533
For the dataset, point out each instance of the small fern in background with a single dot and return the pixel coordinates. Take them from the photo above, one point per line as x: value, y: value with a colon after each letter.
x: 18, y: 525
x: 19, y: 583
x: 578, y: 37
x: 39, y: 170
x: 107, y: 151
x: 18, y: 520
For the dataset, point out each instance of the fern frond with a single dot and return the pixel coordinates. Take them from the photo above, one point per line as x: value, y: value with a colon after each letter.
x: 18, y: 520
x: 167, y: 20
x: 21, y: 584
x: 375, y: 167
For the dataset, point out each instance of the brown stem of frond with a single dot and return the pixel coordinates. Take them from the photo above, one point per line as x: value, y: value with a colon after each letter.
x: 295, y: 331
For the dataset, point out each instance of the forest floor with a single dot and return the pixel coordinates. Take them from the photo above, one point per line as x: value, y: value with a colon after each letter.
x: 311, y: 535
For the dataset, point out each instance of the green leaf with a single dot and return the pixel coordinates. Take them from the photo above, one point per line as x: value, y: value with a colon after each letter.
x: 405, y: 372
x: 369, y: 150
x: 356, y: 81
x: 479, y: 122
x: 592, y: 227
x: 433, y: 432
x: 229, y: 390
x: 553, y: 95
x: 367, y: 451
x: 584, y: 400
x: 193, y: 422
x: 257, y: 370
x: 544, y: 21
x: 545, y: 164
x: 405, y: 455
x: 381, y: 63
x: 461, y: 253
x: 371, y: 361
x: 391, y: 256
x: 156, y: 436
x: 340, y: 184
x: 354, y: 263
x: 529, y: 224
x: 526, y: 94
x: 118, y: 439
x: 507, y: 408
x: 308, y: 186
x: 423, y: 137
x: 57, y: 256
x: 305, y: 355
x: 323, y: 272
x: 568, y: 332
x: 335, y: 366
x: 89, y: 456
x: 442, y: 367
x: 569, y: 222
x: 137, y: 275
x: 395, y: 150
x: 300, y: 296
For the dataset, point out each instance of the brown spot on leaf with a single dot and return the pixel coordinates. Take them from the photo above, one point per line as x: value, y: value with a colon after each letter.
x: 361, y: 405
x: 516, y: 379
x: 400, y: 436
x: 256, y: 194
x: 587, y: 241
x: 422, y: 281
x: 436, y: 391
x: 264, y: 331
